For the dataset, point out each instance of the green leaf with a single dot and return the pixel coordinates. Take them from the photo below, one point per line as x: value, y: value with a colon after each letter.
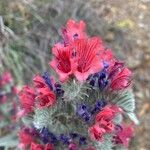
x: 118, y: 119
x: 106, y: 144
x: 126, y: 101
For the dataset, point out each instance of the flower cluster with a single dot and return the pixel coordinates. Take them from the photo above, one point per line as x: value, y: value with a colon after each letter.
x: 83, y: 107
x: 28, y: 137
x: 103, y: 122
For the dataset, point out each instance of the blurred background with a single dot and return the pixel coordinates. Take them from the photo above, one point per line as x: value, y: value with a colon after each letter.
x: 29, y: 28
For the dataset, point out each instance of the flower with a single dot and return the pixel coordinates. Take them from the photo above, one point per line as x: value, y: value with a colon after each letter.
x: 83, y: 113
x: 107, y: 125
x: 88, y: 62
x: 35, y: 146
x: 90, y: 148
x: 5, y: 78
x: 72, y: 146
x: 27, y: 98
x: 123, y: 135
x: 120, y: 76
x: 73, y: 30
x: 73, y: 135
x: 82, y: 140
x: 96, y: 132
x: 63, y: 63
x: 47, y: 136
x: 107, y: 57
x: 47, y: 80
x: 64, y: 139
x: 25, y: 138
x: 107, y: 113
x: 46, y: 96
x: 58, y: 89
x: 79, y: 58
x: 99, y: 79
x: 48, y: 147
x: 103, y: 122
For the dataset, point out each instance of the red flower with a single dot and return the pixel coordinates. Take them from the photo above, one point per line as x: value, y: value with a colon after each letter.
x: 90, y: 148
x: 103, y: 122
x: 27, y: 98
x: 25, y: 139
x: 123, y: 135
x: 107, y: 114
x: 96, y: 132
x: 46, y: 96
x: 120, y: 76
x: 107, y: 125
x: 35, y: 146
x: 14, y: 90
x: 73, y: 30
x: 48, y: 147
x: 63, y: 63
x: 80, y: 57
x: 87, y: 51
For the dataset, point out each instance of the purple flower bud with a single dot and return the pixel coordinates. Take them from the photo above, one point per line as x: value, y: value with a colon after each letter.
x: 98, y: 106
x: 58, y: 89
x: 83, y: 113
x: 73, y: 135
x: 47, y: 80
x: 64, y: 139
x: 47, y: 136
x: 82, y: 141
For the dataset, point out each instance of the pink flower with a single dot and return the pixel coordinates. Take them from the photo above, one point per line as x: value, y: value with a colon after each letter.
x: 27, y: 98
x: 35, y: 146
x: 5, y: 78
x: 123, y: 135
x: 96, y: 132
x: 25, y: 139
x: 46, y: 96
x: 120, y: 76
x: 63, y: 63
x: 3, y: 99
x: 107, y: 113
x: 88, y: 62
x: 73, y: 30
x: 72, y: 146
